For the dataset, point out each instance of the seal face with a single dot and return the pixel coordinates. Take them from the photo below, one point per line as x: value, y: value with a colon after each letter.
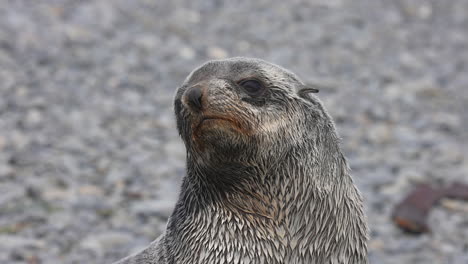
x: 266, y: 180
x: 235, y: 104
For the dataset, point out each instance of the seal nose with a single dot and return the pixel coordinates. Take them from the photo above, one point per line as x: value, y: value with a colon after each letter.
x: 194, y: 97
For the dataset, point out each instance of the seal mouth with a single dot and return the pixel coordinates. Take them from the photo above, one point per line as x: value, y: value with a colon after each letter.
x: 212, y: 118
x: 221, y: 122
x: 207, y: 120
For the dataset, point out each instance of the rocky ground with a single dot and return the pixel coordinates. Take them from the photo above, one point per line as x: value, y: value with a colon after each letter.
x: 90, y: 161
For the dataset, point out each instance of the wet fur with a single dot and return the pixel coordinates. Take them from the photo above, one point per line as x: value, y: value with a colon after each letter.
x: 269, y: 186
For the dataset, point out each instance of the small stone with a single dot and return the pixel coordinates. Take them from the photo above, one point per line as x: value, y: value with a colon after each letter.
x: 55, y: 194
x: 217, y: 53
x: 78, y: 34
x: 10, y: 193
x: 457, y: 259
x: 399, y: 183
x: 425, y: 87
x: 446, y: 248
x: 6, y: 171
x: 2, y: 143
x: 410, y: 61
x: 10, y: 242
x: 161, y: 208
x: 104, y: 242
x: 425, y: 11
x: 61, y: 219
x: 192, y: 16
x: 147, y: 42
x: 33, y: 119
x: 18, y: 139
x: 175, y: 149
x: 165, y: 121
x: 187, y: 53
x: 91, y: 190
x: 380, y: 134
x: 376, y: 244
x: 454, y: 205
x: 118, y: 175
x: 447, y: 122
x: 243, y: 45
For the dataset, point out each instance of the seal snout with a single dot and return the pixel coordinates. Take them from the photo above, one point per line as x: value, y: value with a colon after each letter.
x: 193, y: 97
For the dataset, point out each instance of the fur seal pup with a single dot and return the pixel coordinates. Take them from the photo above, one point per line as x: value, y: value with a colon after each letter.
x: 266, y: 180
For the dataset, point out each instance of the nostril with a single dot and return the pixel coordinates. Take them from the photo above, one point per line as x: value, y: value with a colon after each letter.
x: 194, y: 97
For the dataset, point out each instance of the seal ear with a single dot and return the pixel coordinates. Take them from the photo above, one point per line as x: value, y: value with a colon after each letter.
x: 305, y: 90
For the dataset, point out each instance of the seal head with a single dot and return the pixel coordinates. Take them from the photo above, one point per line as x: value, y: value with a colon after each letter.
x: 241, y: 109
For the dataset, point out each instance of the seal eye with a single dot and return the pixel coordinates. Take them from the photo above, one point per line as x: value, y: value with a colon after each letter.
x: 252, y: 87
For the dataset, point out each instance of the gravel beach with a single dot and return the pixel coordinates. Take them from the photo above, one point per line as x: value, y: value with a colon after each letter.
x: 90, y: 159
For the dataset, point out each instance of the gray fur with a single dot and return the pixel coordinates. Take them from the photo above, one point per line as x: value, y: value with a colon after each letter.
x: 274, y: 189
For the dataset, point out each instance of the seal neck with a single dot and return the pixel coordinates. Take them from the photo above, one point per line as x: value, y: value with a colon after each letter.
x: 293, y: 177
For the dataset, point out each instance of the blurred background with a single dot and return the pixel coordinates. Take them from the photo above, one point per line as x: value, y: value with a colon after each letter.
x: 90, y: 160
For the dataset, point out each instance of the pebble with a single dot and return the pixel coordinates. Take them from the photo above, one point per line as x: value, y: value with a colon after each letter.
x: 2, y: 142
x: 10, y: 242
x: 33, y: 118
x: 160, y: 208
x: 187, y: 53
x: 217, y: 53
x: 106, y: 241
x: 6, y: 171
